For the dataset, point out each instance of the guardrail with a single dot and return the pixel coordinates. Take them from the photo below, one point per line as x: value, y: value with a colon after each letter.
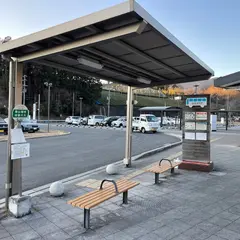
x: 51, y: 121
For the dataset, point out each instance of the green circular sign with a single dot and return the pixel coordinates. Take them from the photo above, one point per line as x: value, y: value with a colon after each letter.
x: 20, y: 112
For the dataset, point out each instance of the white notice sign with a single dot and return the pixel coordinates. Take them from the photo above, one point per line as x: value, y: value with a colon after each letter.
x: 190, y: 135
x: 201, y: 136
x: 21, y: 150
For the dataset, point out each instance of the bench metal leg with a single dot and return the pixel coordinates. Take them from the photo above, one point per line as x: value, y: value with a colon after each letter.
x: 125, y: 197
x: 172, y: 170
x: 156, y: 178
x: 86, y: 218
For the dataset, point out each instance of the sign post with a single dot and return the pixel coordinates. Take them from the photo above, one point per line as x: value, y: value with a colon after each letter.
x: 19, y: 113
x: 19, y: 205
x: 196, y: 133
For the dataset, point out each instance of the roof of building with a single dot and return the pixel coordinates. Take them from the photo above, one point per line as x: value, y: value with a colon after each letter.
x: 228, y: 81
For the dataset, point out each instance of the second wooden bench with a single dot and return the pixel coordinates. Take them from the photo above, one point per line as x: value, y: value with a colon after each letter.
x: 159, y: 168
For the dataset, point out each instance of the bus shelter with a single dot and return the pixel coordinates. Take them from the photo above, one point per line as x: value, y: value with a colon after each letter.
x: 122, y: 44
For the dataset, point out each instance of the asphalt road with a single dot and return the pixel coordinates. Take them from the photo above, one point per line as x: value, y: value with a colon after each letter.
x: 56, y: 158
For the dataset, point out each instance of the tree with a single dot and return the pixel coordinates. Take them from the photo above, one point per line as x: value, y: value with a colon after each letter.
x: 64, y: 83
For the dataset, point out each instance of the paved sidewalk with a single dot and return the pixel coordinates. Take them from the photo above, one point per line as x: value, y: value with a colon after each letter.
x: 189, y: 205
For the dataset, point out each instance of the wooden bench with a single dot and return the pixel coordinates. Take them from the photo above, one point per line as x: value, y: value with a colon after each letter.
x: 159, y: 168
x: 96, y: 197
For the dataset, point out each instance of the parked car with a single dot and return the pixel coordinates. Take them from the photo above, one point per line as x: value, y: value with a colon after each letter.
x: 146, y: 123
x: 69, y: 119
x: 120, y: 122
x: 76, y: 120
x: 108, y: 121
x: 3, y: 127
x: 29, y: 125
x: 95, y: 120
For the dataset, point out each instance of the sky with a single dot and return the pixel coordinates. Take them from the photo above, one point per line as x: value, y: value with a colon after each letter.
x: 209, y: 28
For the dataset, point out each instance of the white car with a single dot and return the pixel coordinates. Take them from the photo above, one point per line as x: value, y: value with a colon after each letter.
x: 76, y: 120
x: 68, y: 120
x: 95, y: 120
x: 121, y: 122
x: 146, y: 123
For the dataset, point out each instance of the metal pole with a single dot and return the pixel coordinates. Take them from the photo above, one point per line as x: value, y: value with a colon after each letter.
x: 39, y: 102
x: 49, y: 89
x: 81, y: 106
x: 24, y: 89
x: 109, y: 100
x: 128, y: 145
x: 73, y: 102
x: 8, y: 186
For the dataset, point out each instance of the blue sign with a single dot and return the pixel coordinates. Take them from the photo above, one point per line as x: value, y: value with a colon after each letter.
x: 196, y: 102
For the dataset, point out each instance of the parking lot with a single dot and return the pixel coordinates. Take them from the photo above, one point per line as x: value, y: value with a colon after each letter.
x: 84, y: 149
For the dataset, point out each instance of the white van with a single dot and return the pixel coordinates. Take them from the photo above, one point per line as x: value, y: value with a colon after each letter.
x: 146, y: 123
x: 95, y: 120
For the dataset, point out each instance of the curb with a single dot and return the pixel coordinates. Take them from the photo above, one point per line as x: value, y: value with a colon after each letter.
x: 156, y: 150
x: 42, y: 189
x: 64, y: 134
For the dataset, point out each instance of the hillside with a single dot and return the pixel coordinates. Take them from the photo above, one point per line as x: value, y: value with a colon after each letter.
x: 118, y: 99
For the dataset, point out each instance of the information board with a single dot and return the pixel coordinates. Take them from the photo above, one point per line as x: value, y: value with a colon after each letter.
x: 20, y: 150
x: 196, y: 128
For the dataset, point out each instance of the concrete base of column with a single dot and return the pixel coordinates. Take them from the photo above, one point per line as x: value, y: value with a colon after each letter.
x: 20, y: 206
x: 196, y: 166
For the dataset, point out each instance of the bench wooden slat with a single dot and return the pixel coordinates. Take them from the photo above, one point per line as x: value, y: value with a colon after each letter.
x: 163, y: 168
x: 93, y: 192
x: 96, y: 197
x: 98, y: 193
x: 101, y: 195
x: 106, y: 197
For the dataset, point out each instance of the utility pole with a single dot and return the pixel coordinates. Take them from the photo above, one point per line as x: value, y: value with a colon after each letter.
x: 39, y: 102
x: 49, y: 85
x: 24, y: 88
x: 73, y: 103
x: 80, y: 112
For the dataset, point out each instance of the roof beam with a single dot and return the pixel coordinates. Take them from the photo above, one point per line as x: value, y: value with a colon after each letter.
x: 88, y: 41
x: 62, y: 38
x: 148, y: 57
x: 81, y: 72
x: 109, y: 69
x: 183, y: 80
x: 123, y: 63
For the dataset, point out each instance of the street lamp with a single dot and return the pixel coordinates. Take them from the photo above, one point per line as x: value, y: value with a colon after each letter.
x: 81, y: 98
x: 48, y: 85
x: 196, y: 89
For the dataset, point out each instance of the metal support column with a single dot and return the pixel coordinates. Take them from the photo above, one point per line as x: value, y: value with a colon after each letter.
x: 161, y: 124
x: 73, y: 103
x: 80, y: 110
x: 8, y: 185
x: 39, y: 106
x: 125, y: 197
x: 226, y: 120
x: 128, y: 143
x: 86, y: 223
x: 156, y: 178
x: 17, y: 163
